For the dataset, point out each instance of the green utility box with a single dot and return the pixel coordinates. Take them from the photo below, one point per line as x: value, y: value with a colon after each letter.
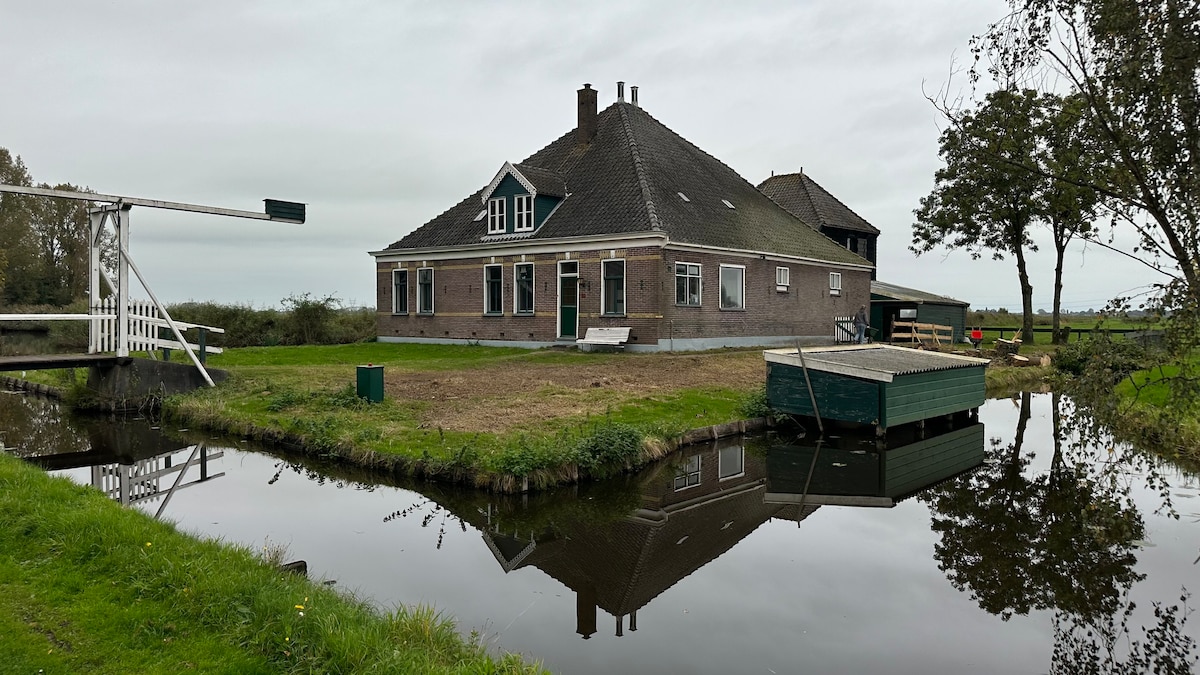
x: 370, y: 383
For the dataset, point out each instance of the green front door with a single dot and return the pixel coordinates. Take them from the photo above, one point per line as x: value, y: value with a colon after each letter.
x: 568, y: 299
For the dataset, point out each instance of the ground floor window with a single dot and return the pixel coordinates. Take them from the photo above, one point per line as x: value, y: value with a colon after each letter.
x: 493, y: 289
x: 733, y: 287
x: 687, y: 284
x: 523, y: 281
x: 425, y: 290
x: 400, y: 291
x: 613, y: 290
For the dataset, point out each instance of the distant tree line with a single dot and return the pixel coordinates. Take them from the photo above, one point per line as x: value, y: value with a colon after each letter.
x: 43, y: 242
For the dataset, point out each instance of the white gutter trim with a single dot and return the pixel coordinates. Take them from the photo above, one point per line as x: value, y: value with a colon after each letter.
x: 765, y: 255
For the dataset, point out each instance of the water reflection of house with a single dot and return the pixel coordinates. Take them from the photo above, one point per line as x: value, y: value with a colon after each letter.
x: 690, y: 514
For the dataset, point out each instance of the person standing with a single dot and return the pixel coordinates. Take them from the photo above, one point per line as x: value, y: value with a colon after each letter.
x: 860, y: 325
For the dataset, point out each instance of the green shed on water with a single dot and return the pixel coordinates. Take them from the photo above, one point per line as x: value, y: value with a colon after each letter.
x: 876, y: 384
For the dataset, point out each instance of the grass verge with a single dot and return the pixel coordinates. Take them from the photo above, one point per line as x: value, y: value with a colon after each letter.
x: 493, y: 417
x: 88, y: 586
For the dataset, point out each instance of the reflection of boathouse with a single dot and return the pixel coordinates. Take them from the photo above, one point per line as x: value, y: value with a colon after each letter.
x: 691, y: 513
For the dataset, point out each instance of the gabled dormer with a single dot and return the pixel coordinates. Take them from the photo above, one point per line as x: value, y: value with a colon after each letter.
x: 519, y: 199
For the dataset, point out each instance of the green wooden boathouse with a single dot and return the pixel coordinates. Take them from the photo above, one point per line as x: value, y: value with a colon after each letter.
x: 881, y: 385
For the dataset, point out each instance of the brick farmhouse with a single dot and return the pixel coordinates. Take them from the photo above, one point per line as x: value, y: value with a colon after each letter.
x: 620, y: 222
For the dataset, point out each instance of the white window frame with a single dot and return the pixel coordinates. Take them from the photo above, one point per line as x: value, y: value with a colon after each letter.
x: 517, y: 311
x: 687, y: 473
x: 721, y: 463
x: 783, y: 278
x: 432, y: 291
x: 604, y: 287
x: 500, y: 279
x: 721, y: 287
x: 699, y: 283
x: 496, y: 224
x: 395, y: 298
x: 523, y: 213
x: 835, y: 283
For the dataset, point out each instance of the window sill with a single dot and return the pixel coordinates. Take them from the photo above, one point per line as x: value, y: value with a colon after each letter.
x: 733, y: 309
x: 424, y: 313
x: 399, y: 313
x: 781, y: 289
x: 524, y: 314
x: 493, y: 314
x: 834, y: 292
x: 613, y: 316
x: 692, y: 306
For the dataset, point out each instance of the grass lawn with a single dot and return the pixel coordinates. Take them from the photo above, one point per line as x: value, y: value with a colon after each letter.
x: 482, y: 414
x: 87, y: 586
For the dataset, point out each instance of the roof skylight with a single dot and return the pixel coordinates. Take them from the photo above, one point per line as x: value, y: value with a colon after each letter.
x: 726, y: 203
x: 481, y: 215
x: 683, y: 197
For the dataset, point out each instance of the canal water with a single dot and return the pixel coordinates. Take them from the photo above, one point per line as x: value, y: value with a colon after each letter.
x: 984, y: 547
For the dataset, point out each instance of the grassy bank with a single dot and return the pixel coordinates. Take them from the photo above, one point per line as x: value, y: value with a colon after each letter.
x: 88, y: 586
x: 489, y: 416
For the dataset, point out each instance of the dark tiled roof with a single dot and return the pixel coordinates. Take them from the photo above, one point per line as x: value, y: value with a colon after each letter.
x: 628, y: 180
x: 803, y: 198
x: 546, y: 182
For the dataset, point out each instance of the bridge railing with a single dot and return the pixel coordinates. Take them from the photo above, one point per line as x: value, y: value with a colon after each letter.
x: 145, y: 326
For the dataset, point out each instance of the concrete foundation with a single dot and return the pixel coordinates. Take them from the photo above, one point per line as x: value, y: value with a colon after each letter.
x: 140, y: 379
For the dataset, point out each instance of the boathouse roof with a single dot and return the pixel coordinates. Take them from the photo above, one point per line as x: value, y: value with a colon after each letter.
x: 873, y: 362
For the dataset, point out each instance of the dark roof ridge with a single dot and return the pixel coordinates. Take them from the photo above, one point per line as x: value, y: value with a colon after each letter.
x: 808, y: 224
x: 643, y: 182
x: 832, y: 196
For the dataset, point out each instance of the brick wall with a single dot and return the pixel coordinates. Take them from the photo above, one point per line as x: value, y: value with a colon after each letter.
x: 806, y: 308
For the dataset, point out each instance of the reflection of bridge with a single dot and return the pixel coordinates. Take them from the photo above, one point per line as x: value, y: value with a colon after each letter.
x: 142, y: 481
x: 132, y: 462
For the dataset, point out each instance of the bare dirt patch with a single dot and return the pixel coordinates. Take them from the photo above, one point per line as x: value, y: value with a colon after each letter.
x: 499, y: 397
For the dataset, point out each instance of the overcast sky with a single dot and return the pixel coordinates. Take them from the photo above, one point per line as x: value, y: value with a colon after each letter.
x: 381, y: 115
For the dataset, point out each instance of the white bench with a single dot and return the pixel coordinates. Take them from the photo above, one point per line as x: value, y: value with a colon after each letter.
x: 605, y: 337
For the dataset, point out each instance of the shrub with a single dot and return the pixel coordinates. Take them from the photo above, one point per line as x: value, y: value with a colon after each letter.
x: 1100, y: 355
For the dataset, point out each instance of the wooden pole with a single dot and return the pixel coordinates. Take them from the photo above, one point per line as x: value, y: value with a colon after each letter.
x: 808, y: 383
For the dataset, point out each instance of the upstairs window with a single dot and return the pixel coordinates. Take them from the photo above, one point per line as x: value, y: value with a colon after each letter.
x: 496, y: 222
x: 783, y: 278
x: 425, y: 290
x: 400, y: 291
x: 523, y: 277
x: 733, y: 287
x: 687, y: 284
x: 493, y: 289
x: 524, y: 213
x: 835, y: 283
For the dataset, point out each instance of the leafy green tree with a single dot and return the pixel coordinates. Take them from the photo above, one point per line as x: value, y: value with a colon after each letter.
x: 1136, y: 68
x: 985, y: 197
x: 1069, y: 201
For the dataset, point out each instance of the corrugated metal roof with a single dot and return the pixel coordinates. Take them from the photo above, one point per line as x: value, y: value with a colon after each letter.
x: 873, y: 362
x: 893, y: 292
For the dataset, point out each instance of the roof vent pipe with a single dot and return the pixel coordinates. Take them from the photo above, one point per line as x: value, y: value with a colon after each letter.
x: 620, y: 92
x: 633, y: 94
x: 587, y: 114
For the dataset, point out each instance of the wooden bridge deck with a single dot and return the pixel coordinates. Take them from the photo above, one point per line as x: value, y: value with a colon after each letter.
x: 52, y: 361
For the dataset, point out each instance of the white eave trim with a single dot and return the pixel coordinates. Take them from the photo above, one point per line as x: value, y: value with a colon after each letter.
x: 765, y: 255
x: 506, y: 170
x: 519, y: 246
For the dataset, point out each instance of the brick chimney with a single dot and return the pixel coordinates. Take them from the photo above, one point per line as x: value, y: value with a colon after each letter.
x: 587, y: 114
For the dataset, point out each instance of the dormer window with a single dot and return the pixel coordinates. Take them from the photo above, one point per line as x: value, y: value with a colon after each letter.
x: 524, y: 213
x: 496, y: 215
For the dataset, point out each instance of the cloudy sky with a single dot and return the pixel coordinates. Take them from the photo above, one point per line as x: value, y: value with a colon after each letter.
x: 380, y: 115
